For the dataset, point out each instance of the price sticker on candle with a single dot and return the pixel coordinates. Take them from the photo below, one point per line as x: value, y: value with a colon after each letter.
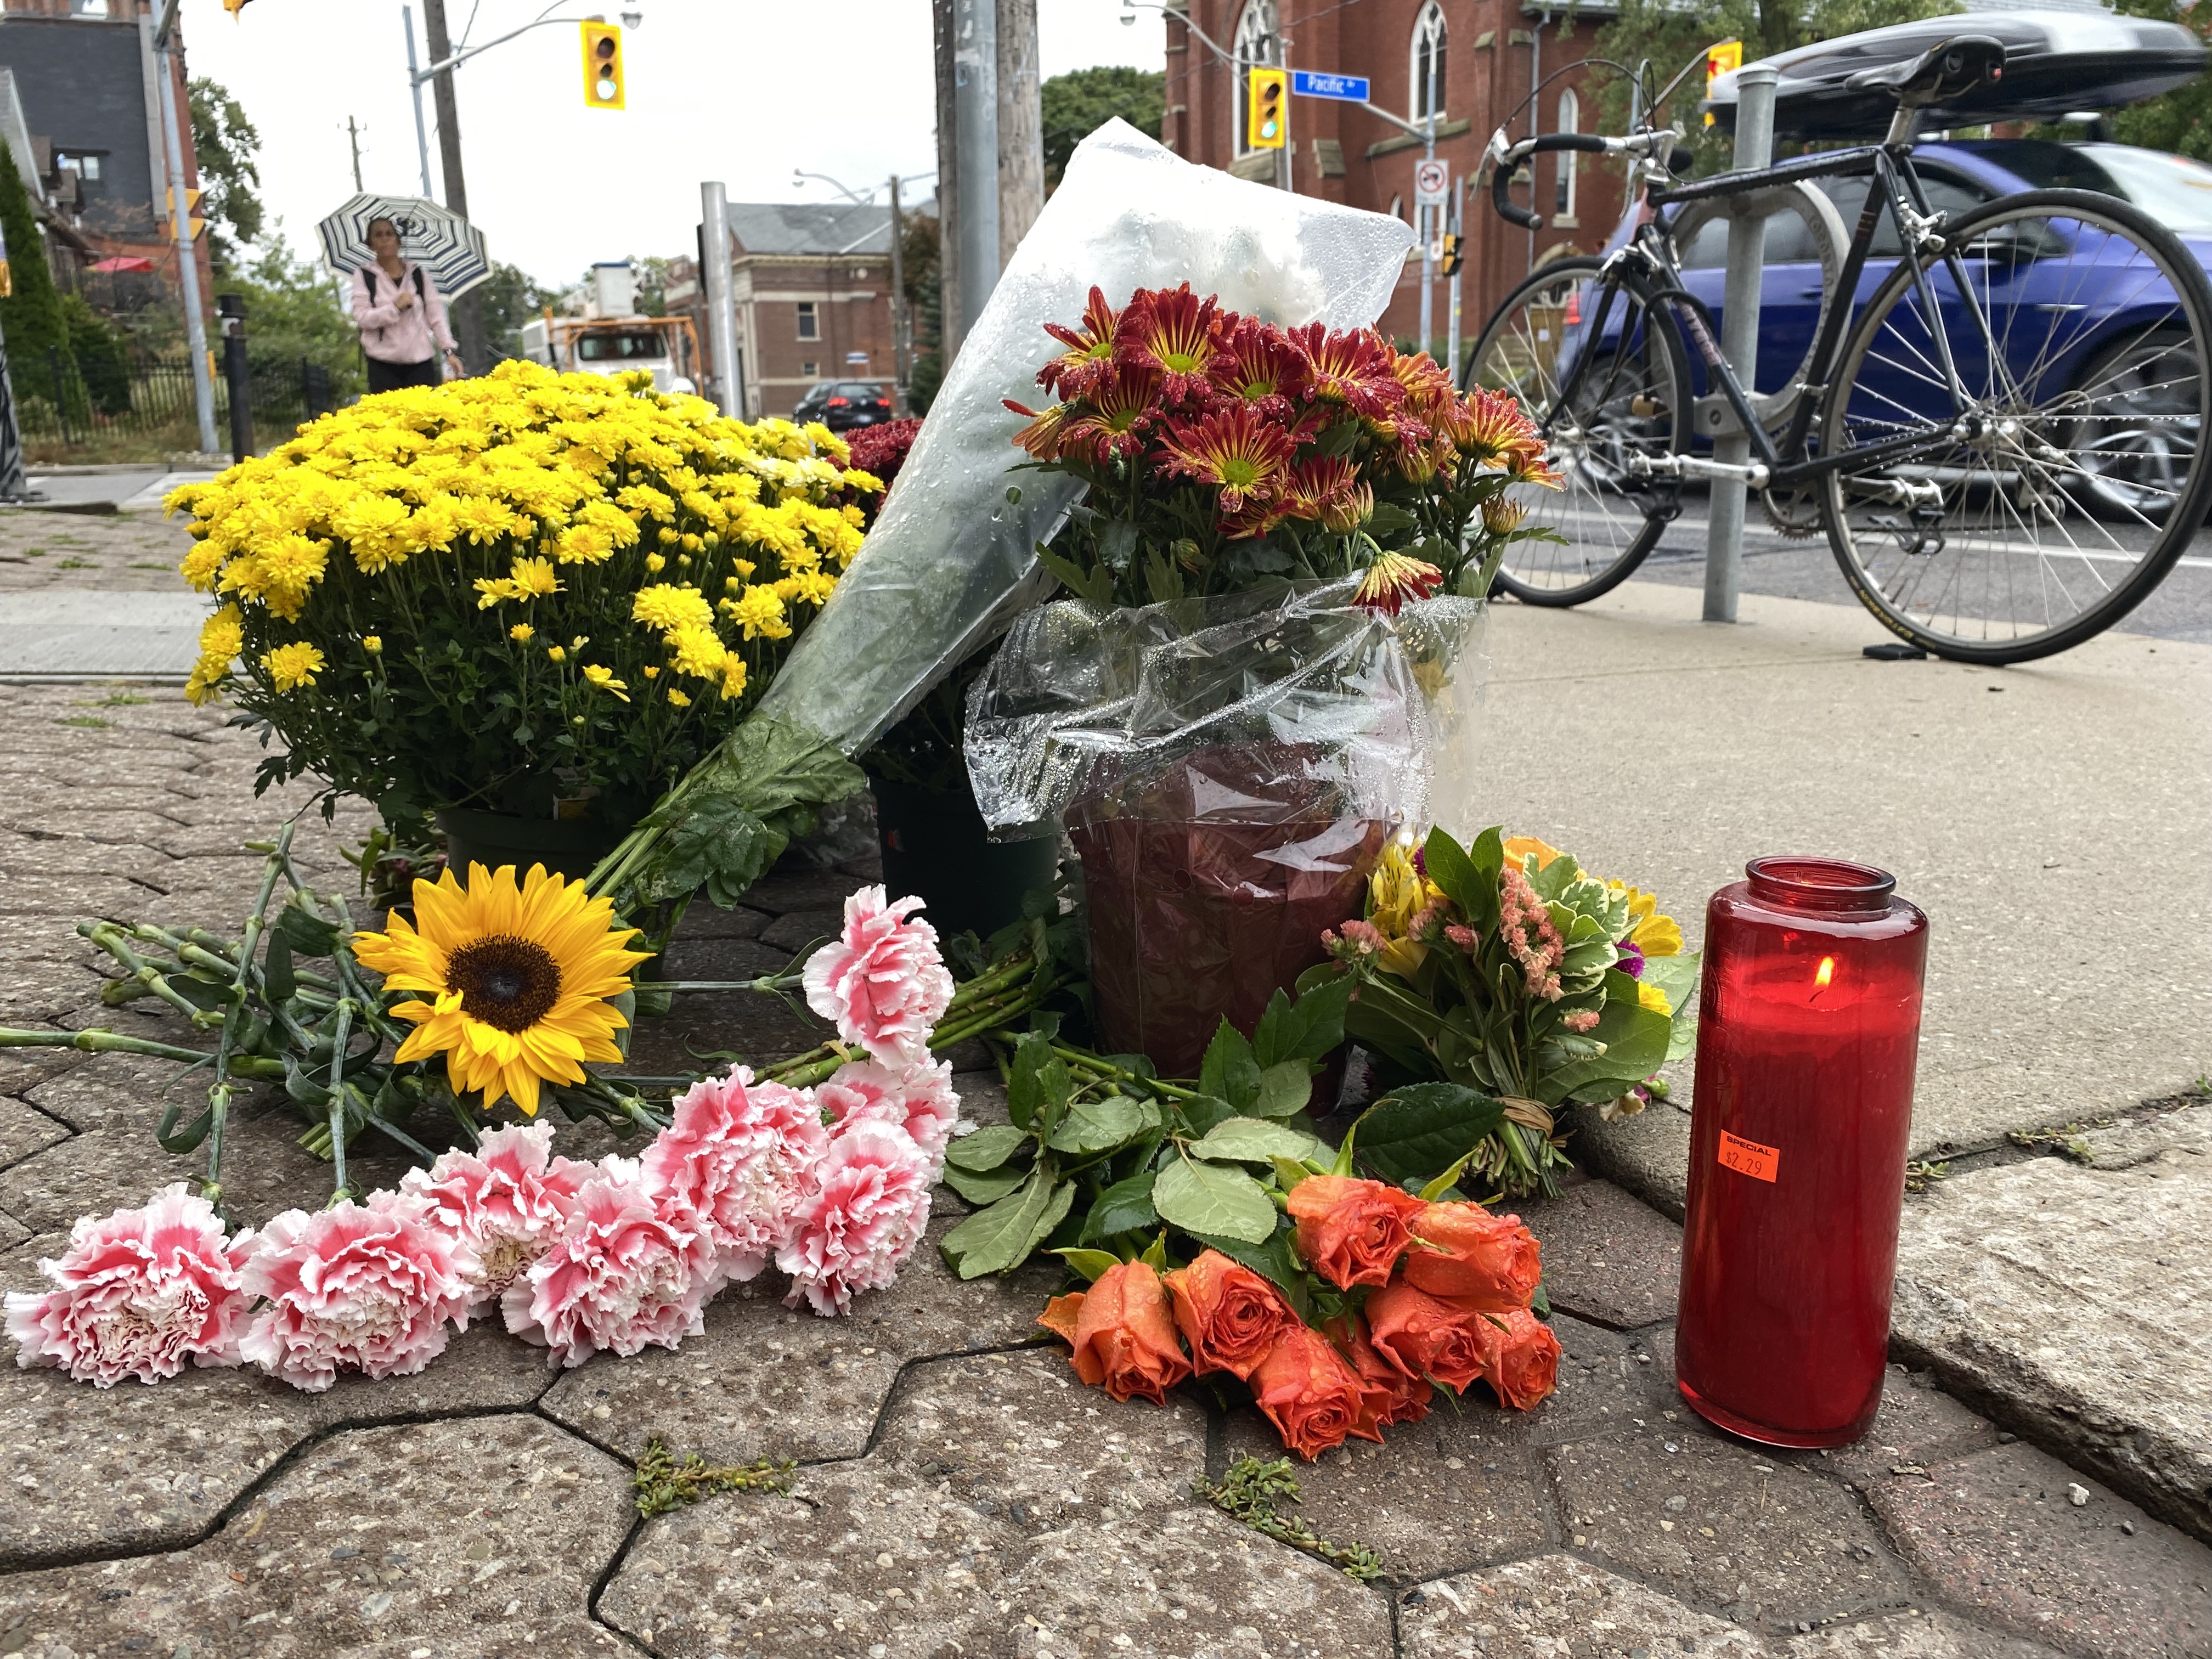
x: 1748, y: 1157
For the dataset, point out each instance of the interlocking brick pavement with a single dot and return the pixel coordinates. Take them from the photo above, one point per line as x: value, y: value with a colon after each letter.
x: 957, y: 1492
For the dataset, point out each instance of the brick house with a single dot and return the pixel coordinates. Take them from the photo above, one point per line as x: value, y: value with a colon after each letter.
x: 812, y: 287
x: 1487, y: 56
x: 83, y: 88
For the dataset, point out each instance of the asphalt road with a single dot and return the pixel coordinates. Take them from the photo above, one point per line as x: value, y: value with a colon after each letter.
x: 1804, y: 568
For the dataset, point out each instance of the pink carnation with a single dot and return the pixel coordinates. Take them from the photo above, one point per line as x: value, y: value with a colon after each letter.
x: 509, y: 1200
x: 881, y: 983
x: 867, y: 1216
x: 920, y: 1100
x: 137, y: 1294
x: 626, y: 1273
x: 739, y: 1157
x: 364, y: 1287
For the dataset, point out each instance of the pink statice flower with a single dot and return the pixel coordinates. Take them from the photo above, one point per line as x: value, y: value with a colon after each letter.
x: 508, y: 1199
x: 919, y: 1099
x: 368, y: 1287
x: 738, y: 1158
x: 1354, y: 942
x: 1525, y: 922
x: 863, y: 1220
x: 137, y: 1294
x: 881, y: 982
x: 626, y: 1274
x: 1580, y: 1020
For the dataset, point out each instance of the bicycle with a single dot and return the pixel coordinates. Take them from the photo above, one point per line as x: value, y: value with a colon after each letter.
x: 1992, y: 494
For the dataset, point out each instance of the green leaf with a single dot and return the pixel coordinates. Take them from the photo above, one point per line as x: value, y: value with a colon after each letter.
x: 993, y: 1240
x: 1290, y: 1171
x: 308, y: 935
x: 1676, y: 975
x: 1124, y: 1207
x: 1636, y: 1041
x: 1202, y: 1112
x: 1089, y: 1263
x: 1539, y: 1301
x: 1055, y: 1212
x: 987, y: 1149
x: 1415, y: 1133
x: 1248, y: 1140
x: 1094, y: 587
x: 1155, y: 1253
x: 1229, y: 1071
x: 277, y: 979
x: 1212, y: 1198
x: 1097, y: 1123
x: 1306, y: 1029
x: 1284, y: 1088
x: 1029, y: 1085
x: 986, y: 1189
x: 1436, y: 1190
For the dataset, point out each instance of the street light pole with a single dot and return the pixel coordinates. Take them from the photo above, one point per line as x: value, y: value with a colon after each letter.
x: 468, y: 317
x: 898, y: 305
x: 181, y: 224
x: 415, y: 87
x: 721, y: 305
x: 975, y: 147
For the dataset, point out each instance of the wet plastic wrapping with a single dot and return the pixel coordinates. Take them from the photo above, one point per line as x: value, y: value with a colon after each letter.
x: 1228, y: 770
x: 953, y: 555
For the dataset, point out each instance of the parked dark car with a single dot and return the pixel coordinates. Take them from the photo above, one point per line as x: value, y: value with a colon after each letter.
x: 841, y: 406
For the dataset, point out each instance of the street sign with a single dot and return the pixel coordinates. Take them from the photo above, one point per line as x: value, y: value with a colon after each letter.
x: 1432, y: 182
x: 1319, y: 84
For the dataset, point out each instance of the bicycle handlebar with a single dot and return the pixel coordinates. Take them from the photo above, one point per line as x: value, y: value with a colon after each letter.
x: 1506, y: 157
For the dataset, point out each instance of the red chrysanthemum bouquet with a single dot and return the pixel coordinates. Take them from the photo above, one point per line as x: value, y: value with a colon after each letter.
x: 1222, y: 451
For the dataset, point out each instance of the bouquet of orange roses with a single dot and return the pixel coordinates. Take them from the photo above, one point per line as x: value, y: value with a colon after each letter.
x: 1394, y: 1294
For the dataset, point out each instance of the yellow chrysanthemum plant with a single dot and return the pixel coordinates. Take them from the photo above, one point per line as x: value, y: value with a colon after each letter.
x: 530, y: 592
x: 1500, y: 983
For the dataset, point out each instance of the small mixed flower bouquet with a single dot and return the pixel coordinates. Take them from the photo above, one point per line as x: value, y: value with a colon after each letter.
x: 1221, y: 450
x: 527, y: 592
x: 1506, y: 968
x: 831, y: 1184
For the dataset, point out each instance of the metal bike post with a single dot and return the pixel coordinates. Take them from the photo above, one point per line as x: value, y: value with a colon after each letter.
x: 1746, y: 252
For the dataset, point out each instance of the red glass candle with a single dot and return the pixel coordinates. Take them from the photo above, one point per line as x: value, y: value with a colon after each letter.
x: 1807, y: 1028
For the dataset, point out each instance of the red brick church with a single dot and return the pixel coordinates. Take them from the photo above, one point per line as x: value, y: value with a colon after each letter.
x: 1481, y: 57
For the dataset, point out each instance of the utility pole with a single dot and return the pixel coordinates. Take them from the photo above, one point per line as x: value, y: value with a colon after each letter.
x: 1021, y: 125
x: 415, y: 86
x: 948, y: 189
x: 353, y: 138
x: 975, y: 112
x: 1428, y: 218
x: 181, y: 224
x: 468, y: 327
x: 898, y: 306
x: 721, y: 306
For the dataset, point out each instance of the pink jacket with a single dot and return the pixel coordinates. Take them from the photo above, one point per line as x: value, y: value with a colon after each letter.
x: 390, y: 335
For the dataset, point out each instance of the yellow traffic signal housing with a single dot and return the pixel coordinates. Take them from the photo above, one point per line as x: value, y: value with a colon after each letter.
x: 233, y: 7
x: 191, y: 207
x: 1720, y: 59
x: 1267, y: 114
x: 1451, y: 253
x: 603, y: 66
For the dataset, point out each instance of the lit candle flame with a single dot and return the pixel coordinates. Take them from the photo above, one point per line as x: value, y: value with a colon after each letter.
x: 1825, y: 972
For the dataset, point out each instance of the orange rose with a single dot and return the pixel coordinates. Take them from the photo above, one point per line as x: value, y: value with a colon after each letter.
x: 1351, y: 1232
x: 1310, y: 1393
x: 1488, y: 1261
x: 1423, y: 1335
x: 1122, y: 1333
x: 1524, y: 1360
x: 1390, y: 1395
x: 1231, y: 1316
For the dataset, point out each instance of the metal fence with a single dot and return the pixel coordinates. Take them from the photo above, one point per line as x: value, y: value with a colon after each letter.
x: 148, y: 403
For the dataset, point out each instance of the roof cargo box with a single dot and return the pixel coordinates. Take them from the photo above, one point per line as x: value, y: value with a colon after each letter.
x: 2057, y: 63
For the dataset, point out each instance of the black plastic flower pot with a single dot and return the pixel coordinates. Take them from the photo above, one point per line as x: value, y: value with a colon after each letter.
x: 935, y: 850
x: 566, y: 848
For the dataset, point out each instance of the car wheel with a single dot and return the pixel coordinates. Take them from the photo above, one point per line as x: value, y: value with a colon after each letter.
x: 2136, y: 432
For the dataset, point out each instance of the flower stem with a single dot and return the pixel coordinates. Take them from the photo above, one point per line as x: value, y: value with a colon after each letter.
x: 341, y: 1031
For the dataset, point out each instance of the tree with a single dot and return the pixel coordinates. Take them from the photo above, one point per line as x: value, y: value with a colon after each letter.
x: 1671, y: 35
x: 31, y: 316
x: 507, y: 300
x: 226, y: 145
x: 2180, y: 120
x: 919, y: 254
x: 294, y: 314
x: 1077, y: 104
x: 102, y: 359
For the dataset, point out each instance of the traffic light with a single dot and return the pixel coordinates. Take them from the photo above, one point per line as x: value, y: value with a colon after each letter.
x: 603, y: 70
x: 1719, y: 60
x: 1451, y: 253
x: 233, y: 7
x: 1266, y: 119
x: 192, y: 208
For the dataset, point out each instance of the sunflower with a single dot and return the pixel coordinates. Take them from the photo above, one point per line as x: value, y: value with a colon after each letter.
x: 520, y: 979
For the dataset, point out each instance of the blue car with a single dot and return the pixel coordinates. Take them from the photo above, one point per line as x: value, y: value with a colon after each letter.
x: 1959, y: 175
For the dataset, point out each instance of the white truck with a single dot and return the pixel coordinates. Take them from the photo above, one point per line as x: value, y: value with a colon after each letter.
x: 610, y: 338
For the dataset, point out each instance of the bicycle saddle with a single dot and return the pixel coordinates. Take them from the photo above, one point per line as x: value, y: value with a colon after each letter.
x: 1945, y: 71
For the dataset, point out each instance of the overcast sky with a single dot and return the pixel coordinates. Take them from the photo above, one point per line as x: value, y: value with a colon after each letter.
x: 742, y: 90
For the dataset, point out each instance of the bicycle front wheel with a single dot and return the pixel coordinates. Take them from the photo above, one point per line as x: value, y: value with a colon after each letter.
x: 2049, y: 500
x: 1604, y: 377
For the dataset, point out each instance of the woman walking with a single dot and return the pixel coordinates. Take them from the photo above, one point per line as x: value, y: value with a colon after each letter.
x: 401, y: 317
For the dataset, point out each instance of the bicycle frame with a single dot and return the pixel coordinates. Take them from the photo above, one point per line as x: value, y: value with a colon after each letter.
x: 1898, y: 189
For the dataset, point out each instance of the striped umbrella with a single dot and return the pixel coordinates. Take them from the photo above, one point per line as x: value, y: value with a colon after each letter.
x: 437, y: 239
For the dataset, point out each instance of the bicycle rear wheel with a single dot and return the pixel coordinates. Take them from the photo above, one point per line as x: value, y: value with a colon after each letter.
x: 2046, y: 509
x: 1631, y: 396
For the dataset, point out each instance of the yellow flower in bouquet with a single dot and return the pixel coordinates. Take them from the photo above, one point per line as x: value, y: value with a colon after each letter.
x: 1653, y: 934
x: 1396, y: 893
x: 457, y: 523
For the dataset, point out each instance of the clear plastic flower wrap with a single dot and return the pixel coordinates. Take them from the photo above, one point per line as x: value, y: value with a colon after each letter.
x: 1228, y: 770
